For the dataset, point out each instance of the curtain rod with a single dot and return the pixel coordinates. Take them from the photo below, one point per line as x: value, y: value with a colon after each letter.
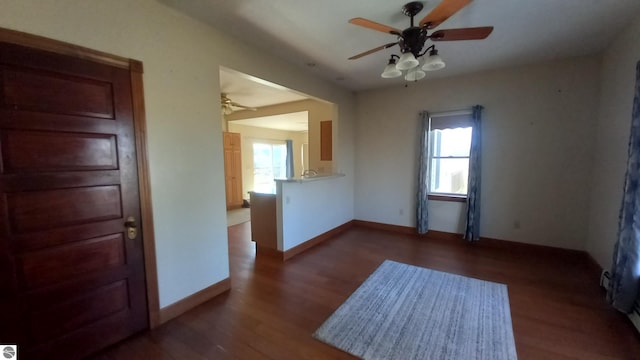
x: 465, y: 111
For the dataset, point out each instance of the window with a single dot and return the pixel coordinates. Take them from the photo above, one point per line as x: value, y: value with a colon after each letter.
x: 269, y: 162
x: 450, y: 143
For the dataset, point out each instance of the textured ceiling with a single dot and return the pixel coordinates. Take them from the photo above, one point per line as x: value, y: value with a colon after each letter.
x: 318, y: 32
x: 297, y: 122
x: 253, y: 92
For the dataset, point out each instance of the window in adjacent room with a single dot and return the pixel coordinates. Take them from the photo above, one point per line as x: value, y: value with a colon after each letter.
x: 450, y: 143
x: 269, y: 162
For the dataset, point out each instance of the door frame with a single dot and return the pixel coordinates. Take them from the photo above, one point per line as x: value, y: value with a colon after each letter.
x: 135, y: 69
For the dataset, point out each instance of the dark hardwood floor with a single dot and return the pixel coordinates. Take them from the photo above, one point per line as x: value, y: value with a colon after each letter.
x: 557, y: 307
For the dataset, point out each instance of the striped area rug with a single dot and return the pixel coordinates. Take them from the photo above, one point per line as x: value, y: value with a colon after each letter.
x: 408, y: 312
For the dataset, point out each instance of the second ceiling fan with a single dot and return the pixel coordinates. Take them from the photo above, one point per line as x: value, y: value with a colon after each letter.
x: 229, y: 106
x: 412, y: 39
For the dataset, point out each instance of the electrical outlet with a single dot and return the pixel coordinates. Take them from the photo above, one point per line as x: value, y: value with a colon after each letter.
x: 401, y: 212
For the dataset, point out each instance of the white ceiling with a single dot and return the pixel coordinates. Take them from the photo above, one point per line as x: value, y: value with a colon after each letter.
x: 297, y: 121
x: 253, y: 92
x: 318, y: 32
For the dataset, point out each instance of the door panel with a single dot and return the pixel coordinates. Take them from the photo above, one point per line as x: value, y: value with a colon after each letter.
x: 61, y: 263
x: 67, y: 316
x: 237, y: 177
x: 38, y: 151
x: 46, y: 209
x: 54, y: 93
x: 228, y: 175
x: 72, y: 281
x: 233, y: 169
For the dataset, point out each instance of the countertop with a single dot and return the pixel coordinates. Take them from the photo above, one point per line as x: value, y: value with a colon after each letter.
x: 303, y: 179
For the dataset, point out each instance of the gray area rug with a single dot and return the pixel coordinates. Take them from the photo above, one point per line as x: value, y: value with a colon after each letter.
x: 408, y: 312
x: 238, y: 216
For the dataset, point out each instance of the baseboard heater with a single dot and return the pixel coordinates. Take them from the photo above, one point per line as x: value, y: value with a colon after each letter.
x: 634, y: 316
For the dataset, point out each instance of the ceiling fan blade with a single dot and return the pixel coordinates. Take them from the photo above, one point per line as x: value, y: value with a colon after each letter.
x: 375, y: 26
x: 474, y: 33
x: 372, y: 51
x: 235, y: 104
x: 442, y: 12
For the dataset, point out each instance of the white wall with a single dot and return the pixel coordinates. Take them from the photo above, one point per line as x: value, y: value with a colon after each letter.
x: 181, y: 58
x: 251, y: 135
x: 302, y: 206
x: 538, y: 133
x: 614, y: 123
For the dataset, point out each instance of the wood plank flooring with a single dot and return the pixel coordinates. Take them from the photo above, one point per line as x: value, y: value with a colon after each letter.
x: 557, y: 307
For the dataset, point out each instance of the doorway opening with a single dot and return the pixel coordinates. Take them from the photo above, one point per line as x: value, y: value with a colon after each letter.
x: 280, y: 133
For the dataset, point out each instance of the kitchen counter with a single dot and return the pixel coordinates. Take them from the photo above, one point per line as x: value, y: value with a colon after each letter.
x: 303, y: 179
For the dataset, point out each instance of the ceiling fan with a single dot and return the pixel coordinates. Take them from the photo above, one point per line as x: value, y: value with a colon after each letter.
x: 412, y: 39
x: 229, y: 106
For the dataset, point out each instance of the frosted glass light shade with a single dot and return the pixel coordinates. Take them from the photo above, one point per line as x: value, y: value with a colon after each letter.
x: 407, y: 61
x: 414, y: 74
x: 390, y: 71
x: 433, y: 62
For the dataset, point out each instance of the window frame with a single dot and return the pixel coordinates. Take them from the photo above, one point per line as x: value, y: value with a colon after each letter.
x: 442, y: 196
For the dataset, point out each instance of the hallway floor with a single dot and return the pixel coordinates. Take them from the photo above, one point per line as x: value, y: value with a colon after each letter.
x: 238, y: 216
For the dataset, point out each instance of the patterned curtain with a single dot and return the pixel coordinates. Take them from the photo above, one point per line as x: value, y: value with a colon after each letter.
x: 422, y: 211
x: 472, y: 227
x: 289, y: 160
x: 624, y: 287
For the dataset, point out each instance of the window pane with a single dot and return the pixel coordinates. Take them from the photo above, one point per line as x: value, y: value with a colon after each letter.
x: 451, y: 142
x: 280, y: 161
x: 269, y: 162
x: 262, y: 169
x: 449, y: 176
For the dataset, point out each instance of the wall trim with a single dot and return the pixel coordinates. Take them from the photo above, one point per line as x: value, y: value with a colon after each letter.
x: 407, y: 230
x: 520, y: 246
x: 267, y: 251
x: 62, y: 48
x: 462, y: 199
x: 181, y: 306
x: 144, y: 186
x: 484, y: 241
x: 135, y: 69
x: 288, y: 254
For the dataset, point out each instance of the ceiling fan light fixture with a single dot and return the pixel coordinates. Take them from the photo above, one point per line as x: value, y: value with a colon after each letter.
x: 412, y: 39
x: 391, y: 71
x: 433, y: 62
x: 407, y: 61
x: 414, y: 74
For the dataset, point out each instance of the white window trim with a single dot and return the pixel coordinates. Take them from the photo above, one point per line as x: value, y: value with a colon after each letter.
x: 431, y: 118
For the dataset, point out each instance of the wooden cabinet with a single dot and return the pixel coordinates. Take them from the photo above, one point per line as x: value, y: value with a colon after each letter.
x: 233, y: 169
x: 326, y: 140
x: 263, y: 223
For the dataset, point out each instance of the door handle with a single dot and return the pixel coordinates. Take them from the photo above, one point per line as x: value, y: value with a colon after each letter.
x: 132, y: 227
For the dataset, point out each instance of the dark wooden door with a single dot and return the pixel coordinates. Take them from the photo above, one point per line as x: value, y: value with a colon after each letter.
x: 71, y: 281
